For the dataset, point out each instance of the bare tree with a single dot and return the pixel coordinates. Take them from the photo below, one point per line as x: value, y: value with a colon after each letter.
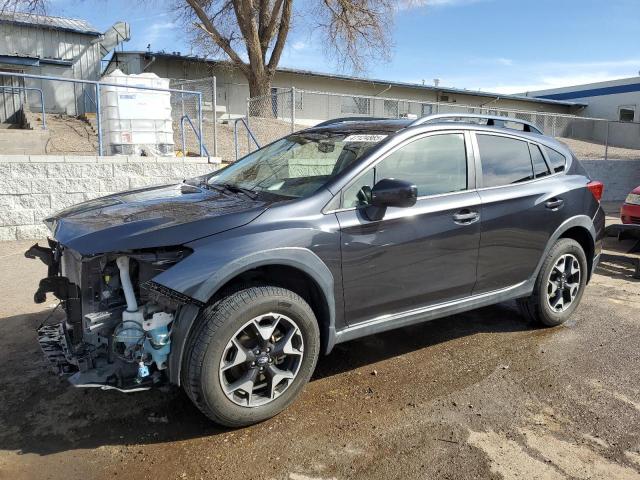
x: 252, y: 34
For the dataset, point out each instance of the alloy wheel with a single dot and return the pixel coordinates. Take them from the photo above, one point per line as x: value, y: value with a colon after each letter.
x: 261, y: 360
x: 563, y: 284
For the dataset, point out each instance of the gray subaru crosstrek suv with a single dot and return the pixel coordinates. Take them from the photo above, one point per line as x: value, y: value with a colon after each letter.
x: 232, y: 284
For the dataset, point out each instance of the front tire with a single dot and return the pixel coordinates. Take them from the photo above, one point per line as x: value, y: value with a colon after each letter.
x: 250, y: 355
x: 559, y: 286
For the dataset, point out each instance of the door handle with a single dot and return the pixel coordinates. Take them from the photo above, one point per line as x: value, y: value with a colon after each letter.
x: 465, y: 217
x: 554, y: 203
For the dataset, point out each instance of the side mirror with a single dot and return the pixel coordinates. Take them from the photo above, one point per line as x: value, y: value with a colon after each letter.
x: 390, y: 192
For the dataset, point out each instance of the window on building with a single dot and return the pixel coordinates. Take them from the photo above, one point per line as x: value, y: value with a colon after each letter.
x: 540, y: 167
x: 426, y: 109
x: 504, y: 160
x: 356, y: 105
x: 627, y: 114
x: 557, y: 161
x: 436, y: 164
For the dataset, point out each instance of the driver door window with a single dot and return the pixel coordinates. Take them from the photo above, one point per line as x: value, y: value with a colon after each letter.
x: 436, y: 164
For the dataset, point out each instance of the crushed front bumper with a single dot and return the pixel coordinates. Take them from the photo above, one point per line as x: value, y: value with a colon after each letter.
x: 54, y: 344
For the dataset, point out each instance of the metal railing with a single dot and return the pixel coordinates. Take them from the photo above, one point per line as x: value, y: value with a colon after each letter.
x: 19, y: 90
x: 97, y: 85
x: 203, y: 149
x: 250, y: 134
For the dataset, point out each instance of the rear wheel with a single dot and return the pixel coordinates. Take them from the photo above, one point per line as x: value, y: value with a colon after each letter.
x: 559, y: 286
x: 251, y: 354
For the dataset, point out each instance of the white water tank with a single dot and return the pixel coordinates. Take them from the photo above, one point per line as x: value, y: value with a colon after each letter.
x: 136, y: 121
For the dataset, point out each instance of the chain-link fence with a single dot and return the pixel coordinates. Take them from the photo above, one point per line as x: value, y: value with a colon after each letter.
x: 286, y: 110
x: 187, y: 105
x: 119, y: 116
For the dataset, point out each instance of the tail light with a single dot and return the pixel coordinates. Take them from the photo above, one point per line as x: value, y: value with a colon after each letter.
x: 596, y: 188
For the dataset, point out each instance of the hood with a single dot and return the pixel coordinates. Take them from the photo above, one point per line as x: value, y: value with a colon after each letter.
x: 151, y: 217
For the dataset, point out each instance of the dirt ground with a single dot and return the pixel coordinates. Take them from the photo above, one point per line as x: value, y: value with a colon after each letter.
x: 71, y: 135
x: 478, y: 395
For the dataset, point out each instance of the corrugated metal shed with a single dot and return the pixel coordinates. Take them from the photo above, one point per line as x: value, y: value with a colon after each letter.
x: 55, y: 23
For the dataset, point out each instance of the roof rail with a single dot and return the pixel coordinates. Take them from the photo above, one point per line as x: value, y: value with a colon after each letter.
x: 347, y: 119
x: 492, y: 120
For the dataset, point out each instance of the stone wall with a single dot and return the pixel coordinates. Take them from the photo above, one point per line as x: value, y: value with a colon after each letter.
x: 33, y: 187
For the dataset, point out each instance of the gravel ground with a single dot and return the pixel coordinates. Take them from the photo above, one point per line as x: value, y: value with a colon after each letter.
x: 478, y: 395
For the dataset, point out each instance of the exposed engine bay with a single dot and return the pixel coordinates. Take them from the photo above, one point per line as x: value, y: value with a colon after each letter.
x: 117, y: 330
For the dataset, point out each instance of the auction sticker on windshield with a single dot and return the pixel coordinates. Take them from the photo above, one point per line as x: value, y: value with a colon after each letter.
x: 365, y: 138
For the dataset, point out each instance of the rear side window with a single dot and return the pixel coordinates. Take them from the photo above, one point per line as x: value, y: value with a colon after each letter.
x: 504, y: 160
x: 540, y: 168
x: 557, y: 160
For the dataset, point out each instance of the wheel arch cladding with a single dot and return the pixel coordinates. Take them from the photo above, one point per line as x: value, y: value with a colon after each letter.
x: 579, y: 228
x: 583, y: 237
x: 296, y: 269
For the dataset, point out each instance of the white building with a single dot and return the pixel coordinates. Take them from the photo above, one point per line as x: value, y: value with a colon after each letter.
x: 617, y: 100
x: 52, y: 46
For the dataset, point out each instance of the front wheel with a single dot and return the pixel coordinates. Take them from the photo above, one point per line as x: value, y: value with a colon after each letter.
x: 251, y: 354
x: 559, y: 286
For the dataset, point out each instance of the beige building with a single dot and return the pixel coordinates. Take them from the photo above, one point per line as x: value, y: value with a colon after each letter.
x: 353, y: 95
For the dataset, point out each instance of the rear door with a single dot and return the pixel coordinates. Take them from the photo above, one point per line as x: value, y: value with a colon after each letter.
x: 416, y: 256
x: 522, y: 205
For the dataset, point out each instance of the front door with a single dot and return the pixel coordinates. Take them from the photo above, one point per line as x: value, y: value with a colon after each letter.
x: 416, y: 256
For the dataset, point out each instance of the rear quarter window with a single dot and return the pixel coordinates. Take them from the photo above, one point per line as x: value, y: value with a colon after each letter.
x: 557, y: 161
x: 505, y: 160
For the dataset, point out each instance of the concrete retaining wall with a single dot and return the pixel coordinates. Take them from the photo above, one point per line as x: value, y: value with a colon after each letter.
x: 619, y: 176
x: 33, y: 187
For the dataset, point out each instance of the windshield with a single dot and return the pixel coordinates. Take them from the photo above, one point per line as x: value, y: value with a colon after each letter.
x: 297, y: 165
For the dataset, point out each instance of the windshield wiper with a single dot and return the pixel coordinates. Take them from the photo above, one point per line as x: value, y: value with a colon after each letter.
x: 235, y: 189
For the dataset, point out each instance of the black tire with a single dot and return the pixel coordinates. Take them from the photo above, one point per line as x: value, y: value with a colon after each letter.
x: 215, y: 327
x: 536, y: 308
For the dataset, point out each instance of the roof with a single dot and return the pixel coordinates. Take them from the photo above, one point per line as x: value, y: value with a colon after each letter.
x: 609, y: 87
x: 418, y: 86
x: 44, y: 21
x: 361, y: 125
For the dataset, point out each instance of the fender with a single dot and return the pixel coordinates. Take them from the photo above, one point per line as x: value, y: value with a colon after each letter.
x: 300, y: 258
x: 578, y: 221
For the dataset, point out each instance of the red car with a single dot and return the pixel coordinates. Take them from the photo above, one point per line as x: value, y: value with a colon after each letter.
x: 630, y: 211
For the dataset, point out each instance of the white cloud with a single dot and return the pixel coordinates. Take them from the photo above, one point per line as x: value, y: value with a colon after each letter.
x: 548, y: 75
x: 157, y: 30
x: 507, y: 62
x: 409, y: 4
x: 299, y: 45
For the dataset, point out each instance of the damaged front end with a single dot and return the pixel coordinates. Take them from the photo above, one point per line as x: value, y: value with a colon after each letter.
x: 117, y: 329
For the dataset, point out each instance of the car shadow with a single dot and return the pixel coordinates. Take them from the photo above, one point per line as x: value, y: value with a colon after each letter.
x: 623, y: 267
x: 41, y: 414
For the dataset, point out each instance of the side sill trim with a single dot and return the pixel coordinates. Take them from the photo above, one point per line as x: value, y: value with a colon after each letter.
x: 432, y: 312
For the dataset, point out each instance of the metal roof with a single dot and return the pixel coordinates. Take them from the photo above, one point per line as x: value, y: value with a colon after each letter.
x: 44, y: 21
x: 459, y: 91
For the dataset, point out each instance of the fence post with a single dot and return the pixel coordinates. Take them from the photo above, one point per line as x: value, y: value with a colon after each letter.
x: 293, y: 109
x: 44, y: 121
x: 182, y: 98
x: 200, y: 123
x: 248, y: 117
x: 99, y: 119
x: 606, y: 142
x: 214, y: 103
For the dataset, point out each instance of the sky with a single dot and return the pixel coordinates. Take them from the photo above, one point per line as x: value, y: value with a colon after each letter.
x: 503, y: 46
